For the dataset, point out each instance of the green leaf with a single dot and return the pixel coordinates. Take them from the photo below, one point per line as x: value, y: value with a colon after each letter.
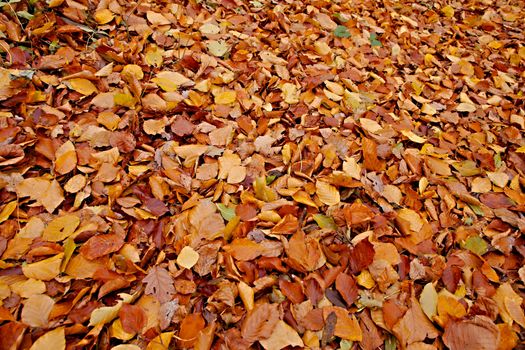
x: 270, y: 179
x: 476, y: 245
x: 227, y: 213
x: 497, y: 160
x: 345, y: 344
x: 374, y: 41
x: 25, y: 14
x: 467, y: 168
x: 341, y: 32
x: 476, y: 209
x: 325, y: 222
x: 341, y: 17
x: 391, y: 343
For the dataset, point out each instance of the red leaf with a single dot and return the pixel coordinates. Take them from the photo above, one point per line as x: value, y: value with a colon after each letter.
x: 98, y: 246
x: 361, y: 256
x: 132, y: 317
x: 347, y: 287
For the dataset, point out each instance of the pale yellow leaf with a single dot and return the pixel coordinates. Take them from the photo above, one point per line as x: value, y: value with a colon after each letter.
x: 209, y: 28
x: 352, y: 168
x: 429, y: 300
x: 413, y: 137
x: 370, y: 125
x: 392, y: 194
x: 75, y: 184
x: 155, y: 126
x: 44, y: 270
x: 187, y: 257
x: 28, y: 288
x: 36, y: 310
x: 290, y: 93
x: 466, y: 107
x: 499, y: 179
x: 217, y: 48
x: 156, y: 18
x: 282, y: 336
x: 83, y: 86
x: 328, y: 194
x: 106, y: 314
x: 52, y: 340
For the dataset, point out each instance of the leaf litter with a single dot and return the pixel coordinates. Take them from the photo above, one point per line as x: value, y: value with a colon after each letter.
x: 226, y: 174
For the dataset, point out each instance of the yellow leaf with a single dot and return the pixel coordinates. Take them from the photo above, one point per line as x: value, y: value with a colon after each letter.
x: 226, y: 97
x: 124, y: 99
x: 509, y: 304
x: 236, y: 175
x: 126, y: 347
x: 187, y: 257
x: 154, y: 56
x: 65, y: 158
x: 155, y: 126
x: 54, y: 3
x: 322, y: 48
x: 370, y: 125
x: 44, y: 270
x: 28, y: 288
x: 132, y: 70
x: 352, y: 168
x: 247, y: 295
x: 83, y: 86
x: 365, y: 279
x: 116, y: 331
x: 282, y: 336
x: 290, y: 93
x: 55, y: 339
x: 466, y: 107
x: 36, y: 310
x: 428, y: 300
x: 61, y: 228
x: 103, y: 16
x: 8, y: 209
x: 171, y: 81
x: 156, y: 18
x: 448, y: 11
x: 217, y: 48
x: 303, y: 198
x: 33, y: 228
x: 209, y: 28
x: 106, y: 314
x: 75, y: 184
x: 328, y: 194
x: 45, y: 192
x: 161, y: 342
x: 413, y: 137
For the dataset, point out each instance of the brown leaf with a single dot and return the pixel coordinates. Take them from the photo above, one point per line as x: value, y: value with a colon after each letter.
x: 260, y: 322
x: 159, y: 283
x: 101, y: 245
x: 477, y: 333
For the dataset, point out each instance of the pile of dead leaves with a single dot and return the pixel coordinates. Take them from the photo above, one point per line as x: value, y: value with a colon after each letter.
x: 227, y: 174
